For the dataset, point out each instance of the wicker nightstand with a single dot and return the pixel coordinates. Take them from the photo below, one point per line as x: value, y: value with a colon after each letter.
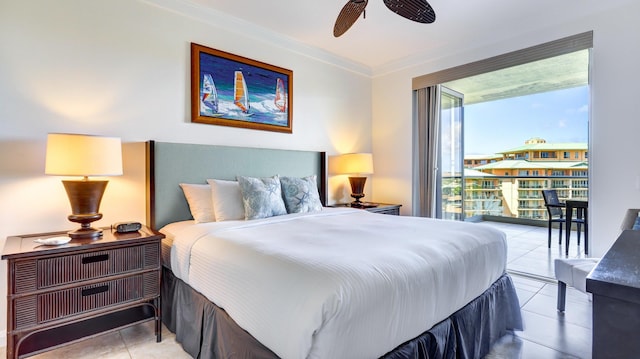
x: 383, y: 208
x: 62, y: 294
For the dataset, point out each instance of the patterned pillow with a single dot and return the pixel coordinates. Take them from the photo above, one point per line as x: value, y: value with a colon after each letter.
x: 301, y: 194
x: 636, y: 224
x: 262, y: 197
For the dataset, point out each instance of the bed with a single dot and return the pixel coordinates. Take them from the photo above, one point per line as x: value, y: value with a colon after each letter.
x: 333, y: 283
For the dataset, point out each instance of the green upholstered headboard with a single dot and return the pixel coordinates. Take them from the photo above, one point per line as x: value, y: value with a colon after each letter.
x: 169, y: 164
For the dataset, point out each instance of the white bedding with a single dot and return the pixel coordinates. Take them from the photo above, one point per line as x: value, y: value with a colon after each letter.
x: 340, y: 283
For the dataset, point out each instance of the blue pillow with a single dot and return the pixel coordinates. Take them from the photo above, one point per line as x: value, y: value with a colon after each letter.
x: 301, y: 194
x: 262, y: 197
x: 636, y: 224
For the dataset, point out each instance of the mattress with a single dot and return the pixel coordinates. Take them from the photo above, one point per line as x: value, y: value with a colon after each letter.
x: 337, y: 283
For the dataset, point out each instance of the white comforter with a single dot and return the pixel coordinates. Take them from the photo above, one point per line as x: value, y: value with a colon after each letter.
x: 339, y: 283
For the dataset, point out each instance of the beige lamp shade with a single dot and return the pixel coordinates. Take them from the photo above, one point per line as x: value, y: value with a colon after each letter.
x: 353, y: 163
x: 83, y: 155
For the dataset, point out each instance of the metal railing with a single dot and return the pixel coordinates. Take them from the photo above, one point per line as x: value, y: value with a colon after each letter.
x: 516, y: 196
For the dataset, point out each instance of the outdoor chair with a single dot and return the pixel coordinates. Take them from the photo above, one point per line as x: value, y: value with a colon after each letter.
x: 555, y: 211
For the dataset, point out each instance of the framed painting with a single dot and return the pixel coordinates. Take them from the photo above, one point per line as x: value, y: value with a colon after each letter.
x: 232, y: 90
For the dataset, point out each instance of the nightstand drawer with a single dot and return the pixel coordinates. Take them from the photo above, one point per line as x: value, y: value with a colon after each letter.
x: 374, y: 207
x: 41, y: 308
x: 387, y: 209
x: 37, y: 274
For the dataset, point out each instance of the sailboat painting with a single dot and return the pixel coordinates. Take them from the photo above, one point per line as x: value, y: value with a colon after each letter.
x: 281, y: 96
x: 232, y: 90
x: 240, y: 93
x: 209, y: 96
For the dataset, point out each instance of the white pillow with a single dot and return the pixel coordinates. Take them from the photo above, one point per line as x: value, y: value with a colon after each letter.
x: 199, y: 199
x: 227, y: 200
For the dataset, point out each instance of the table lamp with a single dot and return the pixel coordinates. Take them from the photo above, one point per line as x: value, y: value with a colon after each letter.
x: 84, y: 155
x: 357, y: 164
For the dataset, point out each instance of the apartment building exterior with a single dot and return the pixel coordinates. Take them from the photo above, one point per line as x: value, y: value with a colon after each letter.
x: 510, y: 183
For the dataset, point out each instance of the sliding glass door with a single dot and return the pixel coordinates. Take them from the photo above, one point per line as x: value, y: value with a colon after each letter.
x: 450, y: 181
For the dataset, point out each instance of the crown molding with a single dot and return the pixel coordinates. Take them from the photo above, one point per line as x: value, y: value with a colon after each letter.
x: 224, y: 21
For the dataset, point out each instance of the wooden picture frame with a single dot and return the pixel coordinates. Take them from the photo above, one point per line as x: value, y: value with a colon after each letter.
x: 231, y: 90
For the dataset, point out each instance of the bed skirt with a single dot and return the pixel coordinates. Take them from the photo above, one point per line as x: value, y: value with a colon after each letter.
x: 206, y: 331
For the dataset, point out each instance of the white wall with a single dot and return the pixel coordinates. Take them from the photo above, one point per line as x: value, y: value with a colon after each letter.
x: 614, y: 128
x: 121, y: 68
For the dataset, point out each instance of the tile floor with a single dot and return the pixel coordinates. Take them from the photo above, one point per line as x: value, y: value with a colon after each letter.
x: 136, y: 342
x: 547, y: 333
x: 528, y: 252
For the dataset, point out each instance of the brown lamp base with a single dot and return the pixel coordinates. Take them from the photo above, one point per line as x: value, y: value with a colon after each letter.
x: 85, y: 197
x: 85, y: 233
x: 357, y: 189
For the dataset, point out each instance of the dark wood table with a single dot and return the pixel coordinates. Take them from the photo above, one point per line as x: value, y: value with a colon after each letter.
x: 582, y: 208
x: 615, y: 285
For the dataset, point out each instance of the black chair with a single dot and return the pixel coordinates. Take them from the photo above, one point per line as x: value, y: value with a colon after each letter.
x: 555, y: 212
x: 580, y: 219
x: 557, y: 215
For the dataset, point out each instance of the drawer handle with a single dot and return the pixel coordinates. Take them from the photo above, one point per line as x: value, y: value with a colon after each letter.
x: 94, y: 259
x: 95, y: 290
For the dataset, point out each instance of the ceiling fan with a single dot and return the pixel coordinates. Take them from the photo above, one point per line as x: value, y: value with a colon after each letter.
x: 416, y: 10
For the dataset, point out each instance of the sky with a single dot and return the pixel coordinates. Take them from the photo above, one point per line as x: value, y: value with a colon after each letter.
x: 558, y: 116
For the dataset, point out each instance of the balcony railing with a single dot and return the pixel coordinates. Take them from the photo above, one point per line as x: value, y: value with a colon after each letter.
x: 532, y: 186
x: 516, y: 196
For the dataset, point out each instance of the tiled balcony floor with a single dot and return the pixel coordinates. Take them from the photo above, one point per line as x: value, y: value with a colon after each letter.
x: 527, y: 248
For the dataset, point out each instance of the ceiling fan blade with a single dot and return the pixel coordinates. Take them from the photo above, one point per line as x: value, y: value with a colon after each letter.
x: 416, y: 10
x: 348, y: 15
